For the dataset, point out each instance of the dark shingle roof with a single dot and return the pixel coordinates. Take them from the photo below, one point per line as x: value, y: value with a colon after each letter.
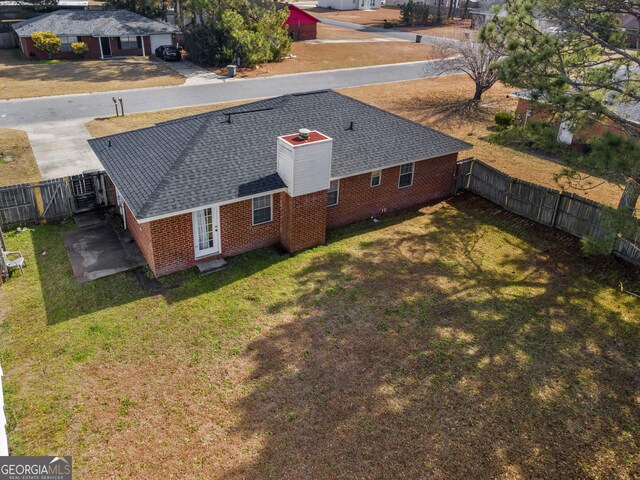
x: 202, y: 160
x: 103, y: 23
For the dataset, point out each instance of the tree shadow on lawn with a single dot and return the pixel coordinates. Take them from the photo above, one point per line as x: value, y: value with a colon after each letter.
x: 451, y: 350
x: 445, y: 113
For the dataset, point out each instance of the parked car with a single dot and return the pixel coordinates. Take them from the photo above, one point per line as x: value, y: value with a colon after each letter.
x: 168, y: 53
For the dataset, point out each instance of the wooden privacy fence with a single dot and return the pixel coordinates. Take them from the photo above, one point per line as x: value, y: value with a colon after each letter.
x: 53, y: 200
x: 566, y: 211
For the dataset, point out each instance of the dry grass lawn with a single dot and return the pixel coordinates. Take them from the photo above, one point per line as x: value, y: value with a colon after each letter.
x: 20, y: 78
x: 456, y: 342
x: 329, y: 32
x: 17, y: 163
x: 314, y: 57
x: 100, y: 127
x: 362, y: 17
x: 440, y: 103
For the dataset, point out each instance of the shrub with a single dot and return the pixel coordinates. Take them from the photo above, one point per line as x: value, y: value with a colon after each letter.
x: 79, y: 48
x: 535, y: 136
x: 504, y: 119
x: 47, y: 42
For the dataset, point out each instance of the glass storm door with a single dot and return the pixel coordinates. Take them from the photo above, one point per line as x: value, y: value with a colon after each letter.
x: 206, y: 235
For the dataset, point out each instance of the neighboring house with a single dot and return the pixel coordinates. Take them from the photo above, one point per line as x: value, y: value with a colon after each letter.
x: 301, y: 25
x: 350, y: 4
x: 108, y: 33
x: 528, y: 110
x: 630, y: 25
x: 241, y: 179
x: 482, y: 11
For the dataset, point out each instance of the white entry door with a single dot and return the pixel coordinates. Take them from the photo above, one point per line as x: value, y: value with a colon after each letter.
x: 206, y: 231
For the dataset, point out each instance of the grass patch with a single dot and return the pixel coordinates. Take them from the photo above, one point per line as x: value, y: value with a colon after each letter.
x: 17, y: 162
x: 20, y: 78
x: 310, y: 57
x: 457, y: 339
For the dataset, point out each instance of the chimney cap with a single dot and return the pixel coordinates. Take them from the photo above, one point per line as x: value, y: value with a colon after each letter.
x: 304, y: 133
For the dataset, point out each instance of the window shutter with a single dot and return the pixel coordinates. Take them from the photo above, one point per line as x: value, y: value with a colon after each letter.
x: 139, y: 39
x: 119, y: 44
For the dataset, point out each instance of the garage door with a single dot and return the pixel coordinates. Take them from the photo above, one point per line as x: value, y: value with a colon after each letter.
x: 157, y: 40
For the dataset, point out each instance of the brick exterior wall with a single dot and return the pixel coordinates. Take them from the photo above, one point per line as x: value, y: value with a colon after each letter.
x: 303, y: 31
x: 239, y: 235
x: 30, y: 51
x: 141, y: 233
x: 303, y: 222
x: 297, y: 223
x: 432, y: 180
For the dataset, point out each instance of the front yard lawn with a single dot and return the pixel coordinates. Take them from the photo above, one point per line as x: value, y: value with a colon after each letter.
x: 17, y: 163
x: 459, y: 341
x: 313, y: 57
x: 20, y: 78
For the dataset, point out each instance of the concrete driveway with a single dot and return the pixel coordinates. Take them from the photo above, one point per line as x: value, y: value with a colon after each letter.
x: 61, y: 148
x: 194, y: 74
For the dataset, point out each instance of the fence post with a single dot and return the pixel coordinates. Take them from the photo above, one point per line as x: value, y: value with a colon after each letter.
x: 39, y: 204
x: 3, y: 268
x: 507, y: 193
x: 556, y: 209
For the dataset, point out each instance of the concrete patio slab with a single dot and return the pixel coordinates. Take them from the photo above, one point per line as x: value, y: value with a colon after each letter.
x: 97, y: 251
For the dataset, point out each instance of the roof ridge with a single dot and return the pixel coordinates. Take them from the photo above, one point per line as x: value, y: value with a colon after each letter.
x: 173, y: 166
x: 399, y: 116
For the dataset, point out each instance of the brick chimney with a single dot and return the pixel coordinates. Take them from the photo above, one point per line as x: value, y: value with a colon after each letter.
x: 304, y: 164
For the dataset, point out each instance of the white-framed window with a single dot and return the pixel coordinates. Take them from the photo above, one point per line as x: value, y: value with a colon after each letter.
x: 376, y: 178
x: 128, y: 43
x: 406, y: 175
x: 66, y: 41
x: 334, y: 193
x: 262, y: 210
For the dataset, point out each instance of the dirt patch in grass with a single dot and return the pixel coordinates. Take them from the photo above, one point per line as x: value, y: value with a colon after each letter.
x: 442, y: 103
x: 455, y: 342
x: 363, y: 17
x: 20, y: 78
x: 315, y: 57
x: 100, y: 127
x: 17, y: 162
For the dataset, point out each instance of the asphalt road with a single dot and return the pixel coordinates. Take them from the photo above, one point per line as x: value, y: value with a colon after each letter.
x: 26, y: 112
x: 430, y: 39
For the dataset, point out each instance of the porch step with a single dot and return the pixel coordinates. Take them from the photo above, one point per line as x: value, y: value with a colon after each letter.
x: 212, y: 266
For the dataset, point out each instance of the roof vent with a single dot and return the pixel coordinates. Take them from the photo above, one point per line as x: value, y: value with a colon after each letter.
x: 304, y: 133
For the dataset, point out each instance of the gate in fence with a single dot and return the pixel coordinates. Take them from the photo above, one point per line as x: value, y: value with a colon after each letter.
x: 562, y: 210
x: 52, y: 200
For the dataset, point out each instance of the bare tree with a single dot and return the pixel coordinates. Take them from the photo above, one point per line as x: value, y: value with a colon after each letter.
x: 476, y: 60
